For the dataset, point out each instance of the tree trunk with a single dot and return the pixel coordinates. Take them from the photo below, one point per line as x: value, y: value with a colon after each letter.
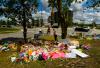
x: 24, y: 27
x: 52, y: 15
x: 62, y: 20
x: 63, y: 28
x: 24, y: 21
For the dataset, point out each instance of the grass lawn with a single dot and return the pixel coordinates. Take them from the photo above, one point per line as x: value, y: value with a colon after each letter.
x: 92, y: 62
x: 49, y: 37
x: 8, y: 30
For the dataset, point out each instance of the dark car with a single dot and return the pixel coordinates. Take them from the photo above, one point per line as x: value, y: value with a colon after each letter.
x: 80, y: 29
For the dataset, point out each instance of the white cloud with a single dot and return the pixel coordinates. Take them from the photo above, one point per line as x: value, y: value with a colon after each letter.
x: 45, y: 3
x: 45, y: 6
x: 88, y: 17
x: 85, y: 15
x: 42, y: 14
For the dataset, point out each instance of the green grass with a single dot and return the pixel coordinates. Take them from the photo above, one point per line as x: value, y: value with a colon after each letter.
x: 92, y: 62
x: 8, y: 30
x: 49, y: 37
x: 98, y: 27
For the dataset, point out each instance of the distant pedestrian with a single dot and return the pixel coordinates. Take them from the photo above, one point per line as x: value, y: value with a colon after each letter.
x: 66, y: 46
x: 40, y: 32
x: 48, y: 30
x: 55, y: 35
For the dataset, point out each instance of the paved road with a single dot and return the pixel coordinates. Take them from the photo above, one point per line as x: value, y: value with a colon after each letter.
x: 31, y: 32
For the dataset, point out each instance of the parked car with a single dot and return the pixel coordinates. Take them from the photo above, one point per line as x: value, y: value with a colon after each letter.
x: 80, y: 29
x: 55, y: 25
x: 97, y: 37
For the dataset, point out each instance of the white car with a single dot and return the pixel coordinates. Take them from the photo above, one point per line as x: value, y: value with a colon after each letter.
x: 97, y: 37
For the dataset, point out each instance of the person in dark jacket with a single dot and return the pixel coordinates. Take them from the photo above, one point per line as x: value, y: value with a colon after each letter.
x: 55, y: 35
x: 48, y: 30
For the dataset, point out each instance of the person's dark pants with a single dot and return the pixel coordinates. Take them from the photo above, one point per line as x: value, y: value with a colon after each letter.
x: 48, y: 32
x: 55, y: 37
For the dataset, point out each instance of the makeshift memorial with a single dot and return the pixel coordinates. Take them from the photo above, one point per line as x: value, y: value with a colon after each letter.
x: 74, y: 43
x: 70, y: 55
x: 79, y: 53
x: 86, y: 46
x: 5, y: 44
x: 4, y: 47
x: 32, y: 52
x: 13, y: 59
x: 12, y: 46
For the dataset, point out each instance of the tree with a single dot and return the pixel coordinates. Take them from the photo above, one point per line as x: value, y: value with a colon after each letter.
x: 26, y: 9
x: 93, y: 24
x: 64, y: 15
x: 22, y: 9
x: 52, y: 4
